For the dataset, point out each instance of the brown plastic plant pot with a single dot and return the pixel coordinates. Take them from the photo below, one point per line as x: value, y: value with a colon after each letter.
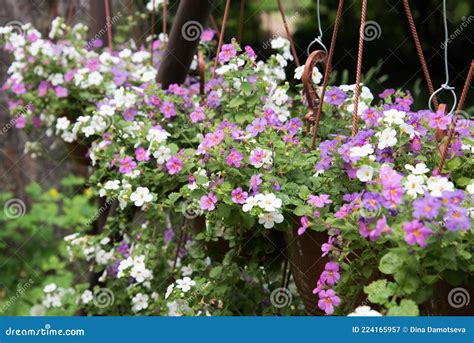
x: 306, y: 265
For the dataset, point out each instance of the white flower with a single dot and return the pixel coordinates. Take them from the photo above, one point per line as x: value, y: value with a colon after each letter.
x: 365, y: 173
x: 103, y: 257
x: 112, y: 185
x: 162, y: 155
x: 438, y: 185
x: 364, y: 311
x: 186, y: 270
x: 408, y: 129
x: 268, y: 202
x: 414, y: 185
x: 279, y: 97
x: 104, y: 241
x: 269, y: 219
x: 95, y: 78
x: 140, y: 273
x: 394, y: 116
x: 140, y: 302
x: 62, y: 123
x: 361, y: 151
x: 185, y: 284
x: 50, y: 288
x: 157, y: 134
x: 250, y: 202
x: 280, y: 43
x: 387, y: 138
x: 140, y: 196
x: 37, y: 311
x: 299, y: 72
x: 419, y: 169
x: 87, y: 296
x: 124, y: 264
x: 316, y: 76
x: 169, y: 290
x: 470, y: 188
x: 106, y: 110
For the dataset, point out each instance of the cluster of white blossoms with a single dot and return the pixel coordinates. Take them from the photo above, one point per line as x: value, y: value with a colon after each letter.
x: 135, y: 267
x: 270, y: 204
x: 53, y: 295
x: 414, y: 183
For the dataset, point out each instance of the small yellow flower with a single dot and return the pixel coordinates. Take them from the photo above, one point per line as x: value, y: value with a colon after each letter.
x: 53, y: 192
x: 88, y: 192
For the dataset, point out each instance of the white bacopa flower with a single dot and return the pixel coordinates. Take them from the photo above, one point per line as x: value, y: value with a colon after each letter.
x: 268, y: 202
x: 186, y: 270
x: 361, y: 151
x: 387, y: 138
x: 87, y: 296
x: 157, y: 134
x: 106, y: 110
x: 414, y: 185
x: 123, y: 265
x: 437, y: 185
x: 365, y: 173
x: 299, y: 72
x: 141, y: 196
x: 470, y: 188
x: 394, y: 116
x: 185, y: 284
x: 95, y: 78
x: 280, y: 43
x: 140, y: 273
x: 104, y: 241
x: 269, y: 219
x: 50, y: 288
x: 112, y: 185
x: 162, y: 155
x: 408, y: 129
x: 364, y: 311
x: 279, y: 97
x: 169, y: 290
x: 418, y: 169
x: 103, y: 257
x: 62, y: 123
x: 250, y: 202
x: 140, y: 302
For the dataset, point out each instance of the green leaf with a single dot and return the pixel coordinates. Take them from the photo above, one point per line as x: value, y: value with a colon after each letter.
x: 215, y: 272
x: 301, y: 210
x: 379, y: 291
x: 236, y: 102
x: 390, y: 263
x: 407, y: 307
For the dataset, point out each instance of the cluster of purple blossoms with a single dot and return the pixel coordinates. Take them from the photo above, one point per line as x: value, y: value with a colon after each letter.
x: 328, y: 299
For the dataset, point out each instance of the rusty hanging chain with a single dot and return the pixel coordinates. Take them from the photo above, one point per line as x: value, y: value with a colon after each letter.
x: 288, y: 33
x: 359, y: 67
x: 221, y: 37
x: 328, y: 70
x: 419, y: 50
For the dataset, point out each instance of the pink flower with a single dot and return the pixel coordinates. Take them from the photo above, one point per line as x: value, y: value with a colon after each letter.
x: 42, y: 88
x: 20, y: 122
x: 197, y: 115
x: 327, y: 300
x: 439, y: 120
x: 18, y: 88
x: 331, y: 273
x: 304, y: 225
x: 227, y: 52
x: 234, y: 158
x: 127, y: 164
x: 174, y: 165
x: 168, y: 109
x: 319, y: 201
x: 141, y: 154
x: 61, y: 92
x: 208, y: 202
x: 416, y: 233
x: 239, y: 196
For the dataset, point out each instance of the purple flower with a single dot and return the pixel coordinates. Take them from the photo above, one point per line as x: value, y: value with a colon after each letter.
x: 168, y: 110
x: 141, y: 154
x: 123, y: 250
x: 208, y: 202
x: 335, y: 96
x: 427, y: 207
x: 457, y: 219
x: 169, y: 234
x: 387, y: 93
x: 255, y: 181
x: 227, y: 52
x: 319, y: 200
x: 213, y: 99
x: 127, y: 164
x: 327, y: 300
x: 129, y: 114
x: 197, y: 115
x: 250, y: 52
x: 20, y: 122
x: 174, y: 165
x: 326, y: 248
x: 42, y: 88
x: 61, y: 92
x: 439, y: 120
x: 331, y: 273
x: 239, y: 196
x: 207, y: 35
x: 304, y: 225
x: 257, y: 126
x: 454, y: 198
x: 18, y: 88
x: 234, y: 158
x: 416, y: 233
x: 371, y: 116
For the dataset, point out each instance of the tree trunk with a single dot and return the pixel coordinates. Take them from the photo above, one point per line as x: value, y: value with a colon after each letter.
x: 183, y: 41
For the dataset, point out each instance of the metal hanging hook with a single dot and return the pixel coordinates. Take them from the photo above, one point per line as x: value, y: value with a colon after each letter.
x: 319, y: 39
x: 445, y: 85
